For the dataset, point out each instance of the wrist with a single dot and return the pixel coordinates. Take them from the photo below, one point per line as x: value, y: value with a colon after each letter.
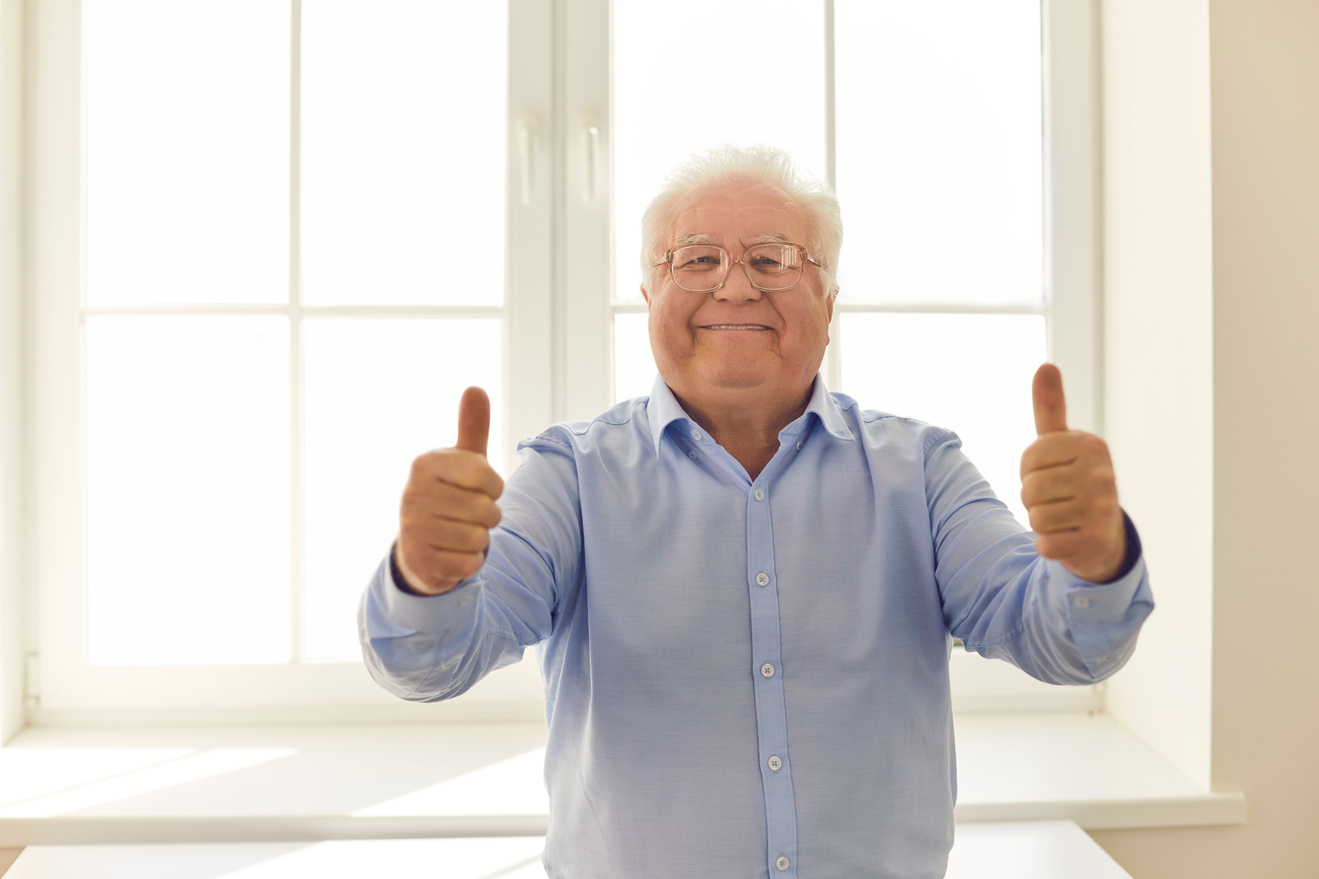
x: 401, y: 579
x: 1119, y: 563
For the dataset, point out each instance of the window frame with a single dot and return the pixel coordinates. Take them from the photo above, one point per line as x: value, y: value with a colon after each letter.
x: 558, y: 311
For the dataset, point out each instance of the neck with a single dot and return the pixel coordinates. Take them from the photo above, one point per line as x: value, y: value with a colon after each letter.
x: 750, y: 433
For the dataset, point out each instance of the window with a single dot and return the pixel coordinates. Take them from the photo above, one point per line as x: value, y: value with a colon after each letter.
x: 260, y: 287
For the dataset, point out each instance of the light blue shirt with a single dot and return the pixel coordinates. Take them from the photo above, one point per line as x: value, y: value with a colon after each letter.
x: 749, y: 678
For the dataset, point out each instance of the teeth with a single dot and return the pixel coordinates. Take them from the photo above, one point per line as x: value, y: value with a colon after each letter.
x: 736, y: 327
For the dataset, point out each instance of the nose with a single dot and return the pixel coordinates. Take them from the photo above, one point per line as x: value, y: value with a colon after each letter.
x: 737, y: 285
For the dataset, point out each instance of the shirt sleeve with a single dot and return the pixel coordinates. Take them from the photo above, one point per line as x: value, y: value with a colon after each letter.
x: 1004, y: 601
x: 431, y: 647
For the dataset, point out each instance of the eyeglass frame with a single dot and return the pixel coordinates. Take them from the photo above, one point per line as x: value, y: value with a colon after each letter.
x: 801, y: 251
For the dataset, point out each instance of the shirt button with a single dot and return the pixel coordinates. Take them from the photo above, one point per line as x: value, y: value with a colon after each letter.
x: 767, y: 670
x: 696, y: 434
x: 692, y: 455
x: 799, y: 447
x: 781, y: 863
x: 762, y: 579
x: 775, y: 763
x: 760, y: 495
x: 1081, y: 601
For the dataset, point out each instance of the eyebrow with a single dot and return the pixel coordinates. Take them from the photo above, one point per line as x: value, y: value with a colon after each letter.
x: 701, y: 238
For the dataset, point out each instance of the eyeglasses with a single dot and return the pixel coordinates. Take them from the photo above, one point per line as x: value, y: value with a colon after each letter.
x: 703, y: 268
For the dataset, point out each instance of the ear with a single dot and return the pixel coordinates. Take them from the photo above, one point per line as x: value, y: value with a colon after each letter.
x: 829, y: 306
x: 645, y: 295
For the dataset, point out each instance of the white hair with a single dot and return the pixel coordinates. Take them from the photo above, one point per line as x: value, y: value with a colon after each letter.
x: 755, y: 164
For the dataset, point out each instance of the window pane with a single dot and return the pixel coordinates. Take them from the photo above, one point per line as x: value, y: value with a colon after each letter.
x: 403, y: 152
x: 634, y: 364
x: 379, y: 393
x: 187, y: 151
x: 939, y: 150
x: 968, y: 373
x: 752, y: 73
x: 187, y: 490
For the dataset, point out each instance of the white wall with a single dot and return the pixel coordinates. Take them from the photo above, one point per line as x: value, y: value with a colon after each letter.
x: 1262, y: 414
x: 1158, y: 302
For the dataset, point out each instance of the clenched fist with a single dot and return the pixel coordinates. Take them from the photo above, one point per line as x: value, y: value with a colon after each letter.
x: 448, y: 505
x: 1069, y: 489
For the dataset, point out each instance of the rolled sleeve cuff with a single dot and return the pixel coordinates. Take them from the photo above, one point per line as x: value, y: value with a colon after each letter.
x: 1104, y: 618
x: 440, y: 615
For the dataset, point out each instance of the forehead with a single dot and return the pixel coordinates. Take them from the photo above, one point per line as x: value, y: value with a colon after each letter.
x: 741, y: 211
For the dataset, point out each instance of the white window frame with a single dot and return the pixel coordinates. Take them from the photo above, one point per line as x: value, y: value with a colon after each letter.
x: 559, y: 207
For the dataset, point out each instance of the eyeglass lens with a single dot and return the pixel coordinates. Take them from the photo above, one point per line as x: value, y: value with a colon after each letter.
x: 703, y: 267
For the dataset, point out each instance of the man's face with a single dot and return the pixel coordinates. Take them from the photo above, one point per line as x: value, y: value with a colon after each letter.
x: 738, y: 346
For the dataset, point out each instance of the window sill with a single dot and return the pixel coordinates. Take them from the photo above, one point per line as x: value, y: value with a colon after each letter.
x: 267, y: 784
x: 1030, y: 850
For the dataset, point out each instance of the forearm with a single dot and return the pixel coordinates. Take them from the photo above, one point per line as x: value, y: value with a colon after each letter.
x: 1005, y: 601
x: 427, y: 648
x: 1056, y: 627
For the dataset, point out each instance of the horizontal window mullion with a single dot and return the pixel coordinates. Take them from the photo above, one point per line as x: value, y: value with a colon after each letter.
x: 962, y: 308
x: 357, y: 311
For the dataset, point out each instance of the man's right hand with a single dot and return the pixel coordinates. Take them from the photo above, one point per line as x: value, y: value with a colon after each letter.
x: 448, y: 505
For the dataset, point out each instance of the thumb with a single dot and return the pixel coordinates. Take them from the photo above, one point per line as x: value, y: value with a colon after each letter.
x: 474, y: 421
x: 1050, y: 404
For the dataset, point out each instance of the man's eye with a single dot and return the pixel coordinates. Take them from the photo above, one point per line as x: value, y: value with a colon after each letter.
x: 766, y: 264
x: 699, y: 264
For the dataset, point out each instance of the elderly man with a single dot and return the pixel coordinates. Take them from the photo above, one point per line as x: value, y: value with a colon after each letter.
x: 747, y: 587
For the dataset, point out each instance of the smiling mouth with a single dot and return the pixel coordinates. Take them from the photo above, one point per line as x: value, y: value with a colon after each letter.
x: 734, y: 327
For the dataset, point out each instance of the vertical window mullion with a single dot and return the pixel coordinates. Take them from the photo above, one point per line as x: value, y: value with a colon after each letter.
x: 297, y: 420
x: 587, y: 279
x: 531, y: 381
x: 833, y: 356
x: 1072, y: 249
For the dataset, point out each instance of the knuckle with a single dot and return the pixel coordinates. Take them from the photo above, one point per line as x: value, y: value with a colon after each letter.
x: 410, y: 502
x: 473, y: 538
x: 448, y: 567
x: 421, y: 466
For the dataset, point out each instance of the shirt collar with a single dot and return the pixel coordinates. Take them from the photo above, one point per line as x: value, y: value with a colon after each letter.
x: 664, y: 409
x: 826, y: 409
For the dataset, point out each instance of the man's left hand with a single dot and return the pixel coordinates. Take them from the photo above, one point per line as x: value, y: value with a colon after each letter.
x: 1069, y: 489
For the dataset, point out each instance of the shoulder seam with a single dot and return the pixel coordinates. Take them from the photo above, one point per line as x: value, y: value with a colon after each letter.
x: 549, y: 439
x: 599, y: 420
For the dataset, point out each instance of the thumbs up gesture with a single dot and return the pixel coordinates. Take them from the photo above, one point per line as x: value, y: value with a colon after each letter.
x: 1069, y: 489
x: 448, y: 505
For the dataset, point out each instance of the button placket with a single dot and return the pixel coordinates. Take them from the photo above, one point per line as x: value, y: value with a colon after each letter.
x: 767, y: 676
